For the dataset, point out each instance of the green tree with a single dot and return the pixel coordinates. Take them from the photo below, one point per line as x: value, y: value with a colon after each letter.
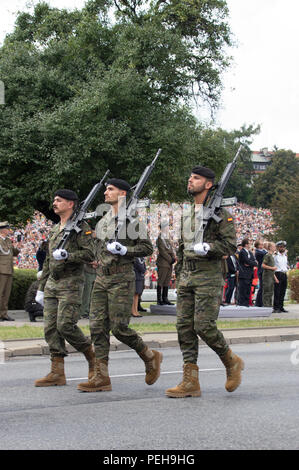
x: 85, y: 92
x: 285, y: 209
x: 268, y: 185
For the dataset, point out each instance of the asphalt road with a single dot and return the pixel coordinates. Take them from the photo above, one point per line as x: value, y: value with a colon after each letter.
x: 262, y: 414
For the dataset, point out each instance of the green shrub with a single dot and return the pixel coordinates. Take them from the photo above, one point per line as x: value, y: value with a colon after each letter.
x: 293, y: 281
x: 22, y: 279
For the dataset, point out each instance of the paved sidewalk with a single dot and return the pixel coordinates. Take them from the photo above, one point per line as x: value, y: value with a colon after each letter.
x: 39, y: 347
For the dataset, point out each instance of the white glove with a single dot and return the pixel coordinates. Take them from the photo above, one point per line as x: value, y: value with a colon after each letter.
x: 117, y: 248
x: 40, y: 297
x: 60, y: 254
x: 175, y: 293
x: 201, y: 248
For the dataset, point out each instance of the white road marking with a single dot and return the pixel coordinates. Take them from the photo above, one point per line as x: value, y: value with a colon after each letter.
x: 142, y: 374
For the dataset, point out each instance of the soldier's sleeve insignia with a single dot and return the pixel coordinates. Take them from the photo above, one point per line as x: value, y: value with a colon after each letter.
x: 230, y: 219
x: 89, y: 232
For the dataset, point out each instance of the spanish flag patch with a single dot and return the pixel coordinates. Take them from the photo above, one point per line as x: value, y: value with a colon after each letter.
x: 88, y: 233
x: 229, y: 219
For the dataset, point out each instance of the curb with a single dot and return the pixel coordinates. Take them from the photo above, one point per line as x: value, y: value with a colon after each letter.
x: 39, y: 347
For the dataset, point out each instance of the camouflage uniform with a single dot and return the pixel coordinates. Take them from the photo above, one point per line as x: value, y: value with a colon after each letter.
x: 89, y: 278
x: 200, y: 284
x: 113, y: 291
x: 62, y: 282
x: 268, y: 281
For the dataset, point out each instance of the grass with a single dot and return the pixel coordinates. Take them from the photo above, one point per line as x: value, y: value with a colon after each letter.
x: 28, y: 331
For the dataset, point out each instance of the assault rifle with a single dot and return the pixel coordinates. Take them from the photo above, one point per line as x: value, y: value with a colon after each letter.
x: 133, y: 201
x: 74, y: 223
x: 211, y: 210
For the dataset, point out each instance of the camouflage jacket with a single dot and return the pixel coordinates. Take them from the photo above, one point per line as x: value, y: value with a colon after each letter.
x: 80, y: 248
x: 136, y: 240
x: 221, y: 237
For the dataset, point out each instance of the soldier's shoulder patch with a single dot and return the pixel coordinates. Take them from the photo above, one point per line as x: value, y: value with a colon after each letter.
x: 88, y: 232
x: 230, y: 219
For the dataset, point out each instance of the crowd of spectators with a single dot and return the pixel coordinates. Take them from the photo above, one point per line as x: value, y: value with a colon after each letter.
x: 250, y: 222
x: 29, y: 238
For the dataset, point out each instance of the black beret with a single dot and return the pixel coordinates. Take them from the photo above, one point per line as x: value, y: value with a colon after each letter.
x: 203, y: 171
x: 67, y: 194
x: 119, y: 183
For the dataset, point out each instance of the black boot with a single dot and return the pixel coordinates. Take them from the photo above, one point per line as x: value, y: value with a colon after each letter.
x: 32, y: 317
x: 165, y: 296
x: 159, y: 298
x: 139, y: 308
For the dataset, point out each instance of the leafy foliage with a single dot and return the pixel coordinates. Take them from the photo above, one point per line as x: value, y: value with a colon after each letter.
x: 277, y: 189
x: 285, y: 208
x: 104, y: 87
x: 293, y: 280
x: 22, y: 280
x: 268, y: 185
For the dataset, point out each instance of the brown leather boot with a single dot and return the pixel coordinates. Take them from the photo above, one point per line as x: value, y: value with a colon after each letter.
x: 189, y: 387
x: 100, y: 381
x: 90, y: 357
x: 56, y: 376
x: 234, y: 365
x: 152, y: 360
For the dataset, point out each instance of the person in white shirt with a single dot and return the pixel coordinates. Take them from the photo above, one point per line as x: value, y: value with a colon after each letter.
x: 281, y: 262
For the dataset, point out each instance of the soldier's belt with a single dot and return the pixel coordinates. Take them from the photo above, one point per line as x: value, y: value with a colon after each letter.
x: 192, y: 265
x: 108, y: 270
x: 57, y: 275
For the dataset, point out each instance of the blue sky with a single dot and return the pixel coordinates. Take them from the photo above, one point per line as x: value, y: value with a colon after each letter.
x: 262, y: 85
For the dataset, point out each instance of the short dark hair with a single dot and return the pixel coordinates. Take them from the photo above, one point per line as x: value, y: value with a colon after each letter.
x: 245, y: 242
x: 257, y: 243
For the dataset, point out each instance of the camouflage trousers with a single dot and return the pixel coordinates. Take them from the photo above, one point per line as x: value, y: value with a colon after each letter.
x: 110, y: 310
x: 86, y: 295
x: 61, y: 313
x: 198, y: 302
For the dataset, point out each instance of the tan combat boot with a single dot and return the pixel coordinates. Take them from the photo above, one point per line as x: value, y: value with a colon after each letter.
x: 56, y: 376
x: 90, y: 356
x: 100, y: 381
x: 152, y: 360
x: 234, y: 365
x: 189, y: 387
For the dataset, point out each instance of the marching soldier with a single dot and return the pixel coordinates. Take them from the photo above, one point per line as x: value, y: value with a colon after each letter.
x: 113, y: 292
x: 7, y: 252
x: 60, y: 290
x: 200, y: 284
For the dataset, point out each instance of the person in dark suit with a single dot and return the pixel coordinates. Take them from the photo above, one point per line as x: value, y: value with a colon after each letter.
x: 41, y: 254
x: 247, y: 262
x: 139, y: 269
x: 231, y: 278
x: 259, y: 256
